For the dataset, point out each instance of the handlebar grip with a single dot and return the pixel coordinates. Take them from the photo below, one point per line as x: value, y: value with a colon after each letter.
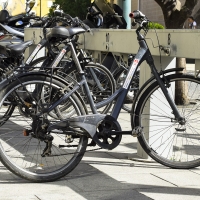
x: 136, y: 14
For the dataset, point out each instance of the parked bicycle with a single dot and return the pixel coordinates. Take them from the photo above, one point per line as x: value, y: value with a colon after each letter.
x: 40, y: 148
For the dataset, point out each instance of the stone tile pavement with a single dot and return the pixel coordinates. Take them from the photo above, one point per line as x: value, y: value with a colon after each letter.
x: 109, y: 175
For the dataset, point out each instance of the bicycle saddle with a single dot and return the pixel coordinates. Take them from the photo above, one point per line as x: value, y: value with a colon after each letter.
x: 62, y: 32
x: 18, y: 49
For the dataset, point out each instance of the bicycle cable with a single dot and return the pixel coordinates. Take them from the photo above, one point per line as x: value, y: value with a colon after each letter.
x: 157, y: 41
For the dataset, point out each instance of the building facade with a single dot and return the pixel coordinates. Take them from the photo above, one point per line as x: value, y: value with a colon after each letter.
x: 40, y: 8
x: 153, y: 11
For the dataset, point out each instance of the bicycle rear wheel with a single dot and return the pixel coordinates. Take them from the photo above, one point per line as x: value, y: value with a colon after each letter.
x: 163, y: 138
x: 27, y: 149
x: 100, y: 81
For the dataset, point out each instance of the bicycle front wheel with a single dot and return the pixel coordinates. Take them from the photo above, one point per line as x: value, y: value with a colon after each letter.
x: 163, y: 138
x: 28, y: 150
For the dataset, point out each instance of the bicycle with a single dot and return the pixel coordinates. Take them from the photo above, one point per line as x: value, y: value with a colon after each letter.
x: 52, y: 148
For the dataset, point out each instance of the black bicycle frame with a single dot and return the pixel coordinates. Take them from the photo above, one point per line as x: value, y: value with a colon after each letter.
x: 120, y: 95
x: 142, y: 55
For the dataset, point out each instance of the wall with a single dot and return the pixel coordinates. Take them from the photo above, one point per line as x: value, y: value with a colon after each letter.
x: 18, y: 6
x: 45, y: 5
x: 15, y: 6
x: 153, y: 11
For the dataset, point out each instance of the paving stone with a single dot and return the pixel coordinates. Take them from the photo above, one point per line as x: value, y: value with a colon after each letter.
x: 109, y: 175
x: 172, y: 193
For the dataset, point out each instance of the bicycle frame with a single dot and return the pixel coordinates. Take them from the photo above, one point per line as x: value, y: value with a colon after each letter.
x: 120, y: 95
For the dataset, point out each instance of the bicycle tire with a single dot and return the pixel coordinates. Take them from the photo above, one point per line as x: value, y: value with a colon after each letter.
x: 38, y: 63
x: 169, y: 143
x: 43, y: 64
x: 21, y: 154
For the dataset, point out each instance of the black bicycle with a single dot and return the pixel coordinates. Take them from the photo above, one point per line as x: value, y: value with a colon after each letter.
x: 40, y: 148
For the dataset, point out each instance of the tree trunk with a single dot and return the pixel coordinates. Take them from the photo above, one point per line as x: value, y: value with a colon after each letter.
x: 181, y: 89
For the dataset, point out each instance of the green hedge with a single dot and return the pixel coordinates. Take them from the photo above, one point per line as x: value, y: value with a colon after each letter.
x: 154, y: 25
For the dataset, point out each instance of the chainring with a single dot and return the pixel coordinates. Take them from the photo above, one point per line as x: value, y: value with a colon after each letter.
x: 103, y: 138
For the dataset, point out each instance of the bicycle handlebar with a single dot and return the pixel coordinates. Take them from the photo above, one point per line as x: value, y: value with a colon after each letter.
x: 137, y: 14
x: 67, y: 20
x: 139, y: 18
x: 78, y: 22
x: 27, y: 18
x: 75, y: 21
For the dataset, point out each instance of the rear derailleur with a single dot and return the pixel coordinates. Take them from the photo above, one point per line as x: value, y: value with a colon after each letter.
x: 39, y: 131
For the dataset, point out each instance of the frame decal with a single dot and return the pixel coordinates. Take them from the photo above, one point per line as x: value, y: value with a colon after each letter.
x: 131, y: 73
x: 37, y: 48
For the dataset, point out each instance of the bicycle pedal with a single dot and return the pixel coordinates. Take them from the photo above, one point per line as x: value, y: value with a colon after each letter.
x: 137, y: 131
x: 92, y: 144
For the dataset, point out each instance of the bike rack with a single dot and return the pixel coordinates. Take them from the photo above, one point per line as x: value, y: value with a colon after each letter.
x: 181, y: 43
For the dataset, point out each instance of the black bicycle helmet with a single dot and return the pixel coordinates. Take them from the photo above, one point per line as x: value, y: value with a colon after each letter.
x: 4, y: 16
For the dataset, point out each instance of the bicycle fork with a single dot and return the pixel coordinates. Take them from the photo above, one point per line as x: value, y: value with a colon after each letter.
x: 176, y: 113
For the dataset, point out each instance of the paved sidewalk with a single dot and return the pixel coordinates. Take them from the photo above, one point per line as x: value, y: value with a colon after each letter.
x: 109, y: 175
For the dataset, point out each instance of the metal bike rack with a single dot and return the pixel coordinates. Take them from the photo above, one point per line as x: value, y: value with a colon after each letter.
x: 183, y: 43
